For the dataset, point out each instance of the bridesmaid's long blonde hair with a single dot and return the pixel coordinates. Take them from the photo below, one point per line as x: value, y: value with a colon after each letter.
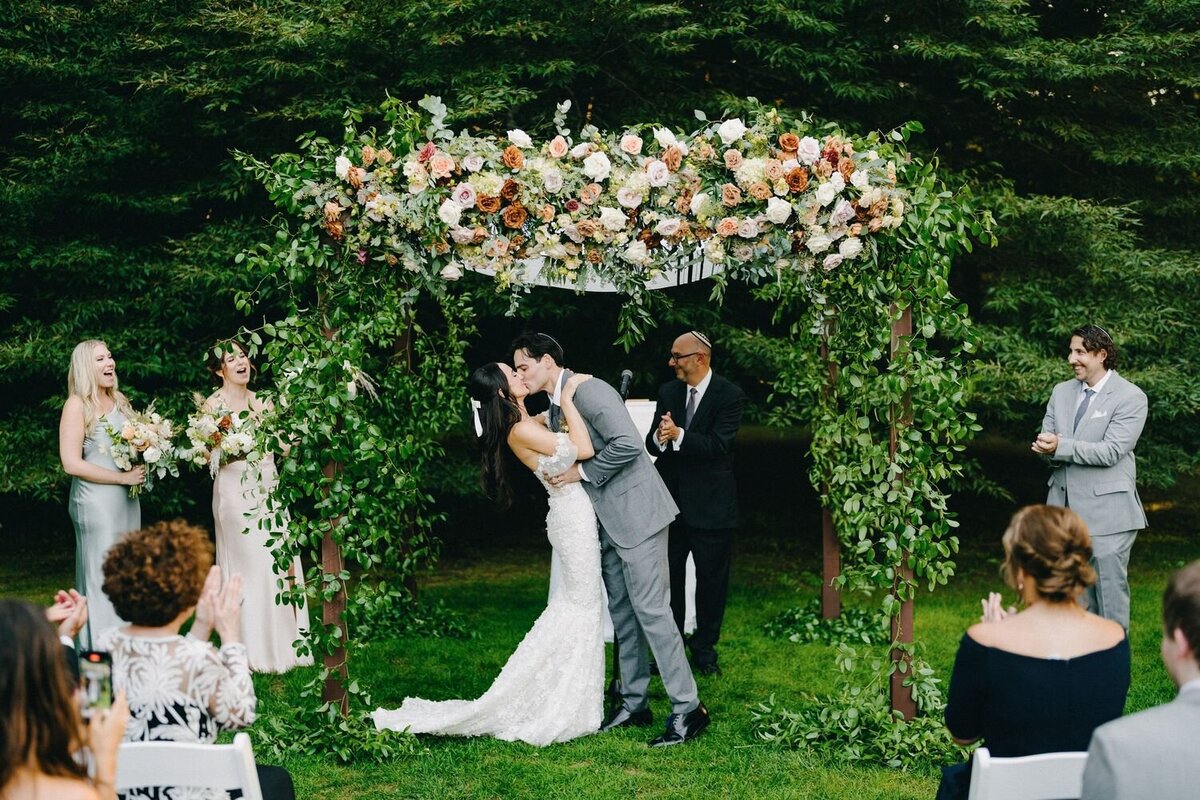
x: 81, y: 381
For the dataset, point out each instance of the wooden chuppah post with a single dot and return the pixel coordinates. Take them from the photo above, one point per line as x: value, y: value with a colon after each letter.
x: 902, y: 624
x: 831, y: 553
x: 333, y: 609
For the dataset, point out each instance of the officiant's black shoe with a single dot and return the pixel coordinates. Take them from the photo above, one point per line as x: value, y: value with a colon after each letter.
x: 683, y: 727
x: 624, y: 718
x: 707, y: 669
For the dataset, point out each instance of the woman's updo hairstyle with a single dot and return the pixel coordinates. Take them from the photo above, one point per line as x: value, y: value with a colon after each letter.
x: 498, y: 413
x: 1051, y: 545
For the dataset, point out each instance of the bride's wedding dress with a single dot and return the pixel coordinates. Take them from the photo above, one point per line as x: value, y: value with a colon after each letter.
x: 551, y: 689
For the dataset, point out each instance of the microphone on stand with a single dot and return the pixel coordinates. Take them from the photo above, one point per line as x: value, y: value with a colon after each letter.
x: 626, y: 377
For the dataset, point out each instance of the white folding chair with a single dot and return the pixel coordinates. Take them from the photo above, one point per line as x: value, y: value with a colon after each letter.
x: 194, y: 765
x: 1046, y: 776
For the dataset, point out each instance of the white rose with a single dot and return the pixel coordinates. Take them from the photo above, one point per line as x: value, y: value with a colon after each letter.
x: 464, y: 195
x: 451, y: 272
x: 731, y: 130
x: 473, y: 163
x: 657, y: 173
x: 819, y: 243
x: 612, y: 219
x: 809, y: 150
x: 831, y: 261
x: 697, y: 204
x: 152, y: 455
x: 462, y: 235
x: 748, y: 229
x: 838, y: 181
x: 342, y: 167
x: 665, y: 138
x: 637, y: 253
x: 582, y: 149
x: 790, y: 165
x: 778, y: 211
x: 860, y: 179
x: 553, y: 181
x: 520, y: 138
x: 450, y: 212
x: 667, y: 227
x: 628, y: 197
x: 825, y: 193
x: 851, y: 247
x: 843, y: 212
x: 597, y: 166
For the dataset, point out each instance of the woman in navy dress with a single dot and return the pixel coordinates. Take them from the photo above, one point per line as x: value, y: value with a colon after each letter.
x: 1042, y: 679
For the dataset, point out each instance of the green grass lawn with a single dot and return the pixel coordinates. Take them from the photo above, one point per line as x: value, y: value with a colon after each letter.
x: 494, y: 573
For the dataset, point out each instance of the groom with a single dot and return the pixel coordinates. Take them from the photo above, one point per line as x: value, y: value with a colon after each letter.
x: 634, y: 509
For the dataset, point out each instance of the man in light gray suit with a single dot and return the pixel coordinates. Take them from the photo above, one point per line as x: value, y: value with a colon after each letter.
x: 1156, y: 753
x: 1091, y: 426
x: 634, y: 509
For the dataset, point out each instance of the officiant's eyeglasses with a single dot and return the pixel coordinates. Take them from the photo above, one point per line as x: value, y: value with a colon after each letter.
x: 681, y: 356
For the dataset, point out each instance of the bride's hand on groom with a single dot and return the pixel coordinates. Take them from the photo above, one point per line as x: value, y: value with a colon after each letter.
x: 568, y: 392
x: 563, y: 478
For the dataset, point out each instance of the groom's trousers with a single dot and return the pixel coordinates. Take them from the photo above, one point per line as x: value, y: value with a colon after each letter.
x: 639, y: 601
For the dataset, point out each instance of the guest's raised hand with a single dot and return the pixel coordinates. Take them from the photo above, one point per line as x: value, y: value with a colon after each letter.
x: 206, y: 606
x: 229, y: 610
x: 568, y: 392
x: 993, y: 609
x: 69, y: 612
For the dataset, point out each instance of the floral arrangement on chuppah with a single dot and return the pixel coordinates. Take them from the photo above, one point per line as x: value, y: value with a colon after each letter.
x: 755, y: 196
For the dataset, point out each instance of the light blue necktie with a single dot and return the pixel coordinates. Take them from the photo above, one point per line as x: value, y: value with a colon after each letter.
x: 1083, y: 407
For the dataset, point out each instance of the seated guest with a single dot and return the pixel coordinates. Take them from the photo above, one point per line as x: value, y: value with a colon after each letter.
x: 180, y: 688
x: 40, y: 727
x: 1042, y: 679
x: 1156, y: 753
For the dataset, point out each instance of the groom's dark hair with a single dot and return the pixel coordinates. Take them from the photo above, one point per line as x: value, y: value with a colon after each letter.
x: 537, y: 345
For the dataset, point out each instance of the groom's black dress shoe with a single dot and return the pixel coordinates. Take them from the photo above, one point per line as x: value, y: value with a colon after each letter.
x: 683, y: 727
x: 624, y: 718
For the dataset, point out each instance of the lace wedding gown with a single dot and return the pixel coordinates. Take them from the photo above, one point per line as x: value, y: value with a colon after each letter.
x: 551, y: 689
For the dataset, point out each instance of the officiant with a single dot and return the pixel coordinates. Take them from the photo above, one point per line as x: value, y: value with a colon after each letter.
x: 698, y: 416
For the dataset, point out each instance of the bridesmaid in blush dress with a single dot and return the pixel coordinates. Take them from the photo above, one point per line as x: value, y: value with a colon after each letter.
x: 100, y: 505
x: 243, y: 527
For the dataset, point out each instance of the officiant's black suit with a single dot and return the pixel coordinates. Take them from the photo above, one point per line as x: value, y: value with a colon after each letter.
x: 700, y: 478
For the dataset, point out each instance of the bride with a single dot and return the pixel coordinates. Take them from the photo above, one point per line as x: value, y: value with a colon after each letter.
x: 551, y: 689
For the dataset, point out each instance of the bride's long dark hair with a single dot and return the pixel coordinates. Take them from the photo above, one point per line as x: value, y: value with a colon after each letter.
x: 498, y: 413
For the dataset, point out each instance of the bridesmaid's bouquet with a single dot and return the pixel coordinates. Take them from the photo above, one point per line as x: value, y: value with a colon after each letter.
x: 217, y: 436
x: 144, y: 439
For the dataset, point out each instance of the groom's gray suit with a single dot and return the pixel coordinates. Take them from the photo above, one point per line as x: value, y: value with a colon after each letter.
x: 634, y: 509
x: 1095, y: 475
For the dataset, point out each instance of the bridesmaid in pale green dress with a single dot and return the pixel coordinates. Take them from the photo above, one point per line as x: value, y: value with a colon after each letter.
x: 100, y: 505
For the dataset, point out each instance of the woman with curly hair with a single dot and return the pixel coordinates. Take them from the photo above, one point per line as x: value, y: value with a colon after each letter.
x: 181, y: 688
x: 40, y: 728
x: 1042, y: 679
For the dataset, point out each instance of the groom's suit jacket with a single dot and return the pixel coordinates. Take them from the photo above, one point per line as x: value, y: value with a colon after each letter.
x: 630, y: 499
x: 1095, y: 472
x: 700, y: 473
x: 1154, y: 753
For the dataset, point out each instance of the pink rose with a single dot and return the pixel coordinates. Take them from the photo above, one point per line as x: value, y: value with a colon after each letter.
x: 441, y: 165
x: 558, y: 147
x: 727, y: 227
x: 631, y: 144
x: 426, y: 152
x: 590, y: 193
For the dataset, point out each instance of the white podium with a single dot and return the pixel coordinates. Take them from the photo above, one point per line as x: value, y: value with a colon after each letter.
x: 642, y: 413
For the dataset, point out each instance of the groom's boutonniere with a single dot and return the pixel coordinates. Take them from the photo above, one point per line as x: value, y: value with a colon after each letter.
x: 562, y: 427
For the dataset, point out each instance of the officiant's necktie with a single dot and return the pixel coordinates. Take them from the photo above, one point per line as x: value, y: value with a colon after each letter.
x: 1083, y: 407
x: 691, y: 409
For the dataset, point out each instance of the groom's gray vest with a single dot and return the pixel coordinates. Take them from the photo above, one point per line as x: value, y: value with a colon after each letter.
x: 630, y: 498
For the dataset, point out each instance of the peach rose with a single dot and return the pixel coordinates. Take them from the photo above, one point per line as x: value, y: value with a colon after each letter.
x: 594, y: 256
x: 480, y: 234
x: 590, y: 193
x: 391, y: 260
x: 441, y: 165
x: 512, y: 157
x: 855, y: 229
x: 846, y: 167
x: 823, y: 168
x: 683, y: 203
x: 332, y: 211
x: 773, y: 169
x: 733, y: 159
x: 514, y: 216
x: 789, y: 142
x: 487, y: 203
x: 759, y: 190
x: 797, y: 179
x: 384, y: 156
x: 727, y: 227
x: 335, y: 228
x: 673, y: 158
x: 587, y: 228
x: 631, y: 144
x: 356, y: 176
x: 368, y: 155
x: 730, y: 195
x: 558, y: 147
x: 547, y: 213
x: 705, y: 152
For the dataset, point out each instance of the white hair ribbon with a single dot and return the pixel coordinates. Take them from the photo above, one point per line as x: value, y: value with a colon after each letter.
x: 475, y: 413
